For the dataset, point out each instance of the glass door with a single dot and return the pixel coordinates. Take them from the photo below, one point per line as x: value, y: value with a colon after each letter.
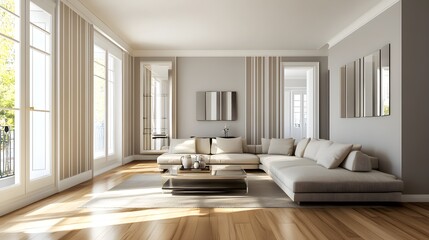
x: 40, y: 168
x: 107, y: 104
x: 10, y: 98
x: 26, y: 58
x: 299, y: 114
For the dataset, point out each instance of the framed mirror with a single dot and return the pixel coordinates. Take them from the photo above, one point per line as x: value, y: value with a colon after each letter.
x: 365, y: 85
x: 216, y: 106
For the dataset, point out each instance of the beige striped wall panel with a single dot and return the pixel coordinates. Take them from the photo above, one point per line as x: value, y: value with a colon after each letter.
x: 75, y: 94
x: 128, y: 105
x: 264, y: 99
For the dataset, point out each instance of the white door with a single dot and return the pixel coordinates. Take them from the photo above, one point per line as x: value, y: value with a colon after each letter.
x: 26, y: 119
x: 40, y: 171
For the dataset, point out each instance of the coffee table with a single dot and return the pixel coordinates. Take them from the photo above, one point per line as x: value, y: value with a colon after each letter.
x: 220, y: 178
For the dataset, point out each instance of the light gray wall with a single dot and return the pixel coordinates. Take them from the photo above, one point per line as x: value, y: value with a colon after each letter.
x: 218, y: 74
x: 380, y: 136
x: 208, y: 74
x: 415, y: 96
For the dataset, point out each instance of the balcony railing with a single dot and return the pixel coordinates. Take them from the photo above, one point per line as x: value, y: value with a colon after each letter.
x: 7, y: 151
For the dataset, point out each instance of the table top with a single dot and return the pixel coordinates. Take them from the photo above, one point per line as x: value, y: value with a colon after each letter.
x: 215, y: 172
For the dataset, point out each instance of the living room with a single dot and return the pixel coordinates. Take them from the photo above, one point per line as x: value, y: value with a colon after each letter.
x: 199, y: 61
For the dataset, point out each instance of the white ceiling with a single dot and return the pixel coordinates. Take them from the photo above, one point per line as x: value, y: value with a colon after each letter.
x: 228, y: 24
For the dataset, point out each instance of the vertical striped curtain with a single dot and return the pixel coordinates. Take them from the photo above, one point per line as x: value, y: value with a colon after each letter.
x: 264, y: 99
x: 75, y: 94
x: 127, y: 104
x: 147, y: 108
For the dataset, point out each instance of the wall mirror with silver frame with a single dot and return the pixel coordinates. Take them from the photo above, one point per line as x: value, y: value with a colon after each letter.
x: 216, y: 106
x: 365, y: 85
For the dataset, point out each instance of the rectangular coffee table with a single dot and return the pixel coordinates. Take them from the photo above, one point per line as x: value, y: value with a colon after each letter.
x: 216, y: 179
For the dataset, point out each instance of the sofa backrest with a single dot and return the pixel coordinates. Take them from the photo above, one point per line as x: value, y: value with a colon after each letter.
x: 202, y: 145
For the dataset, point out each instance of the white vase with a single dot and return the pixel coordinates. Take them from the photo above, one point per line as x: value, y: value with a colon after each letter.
x: 186, y: 161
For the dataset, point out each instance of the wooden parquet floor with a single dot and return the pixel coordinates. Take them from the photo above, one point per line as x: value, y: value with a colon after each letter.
x: 61, y: 217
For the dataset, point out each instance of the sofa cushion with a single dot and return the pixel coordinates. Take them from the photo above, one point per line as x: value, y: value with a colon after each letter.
x: 265, y: 145
x: 313, y: 147
x: 281, y: 146
x: 255, y: 149
x: 213, y: 147
x: 234, y: 159
x: 357, y: 161
x: 229, y: 145
x: 333, y: 155
x: 202, y: 145
x: 180, y: 146
x: 293, y: 162
x: 317, y: 179
x: 268, y: 159
x: 300, y: 147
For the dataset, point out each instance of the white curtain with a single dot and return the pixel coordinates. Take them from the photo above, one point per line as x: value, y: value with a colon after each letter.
x: 264, y: 98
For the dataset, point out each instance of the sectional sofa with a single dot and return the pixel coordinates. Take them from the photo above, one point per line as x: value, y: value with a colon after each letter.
x: 310, y: 170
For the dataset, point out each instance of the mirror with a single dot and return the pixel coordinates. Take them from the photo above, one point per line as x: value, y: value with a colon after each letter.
x: 365, y: 86
x: 385, y: 80
x: 216, y: 106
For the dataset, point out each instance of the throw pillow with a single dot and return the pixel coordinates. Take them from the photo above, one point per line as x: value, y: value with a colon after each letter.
x: 281, y: 146
x: 300, y: 147
x: 245, y: 149
x: 229, y: 145
x: 313, y: 146
x: 265, y: 145
x: 357, y: 161
x: 202, y: 145
x: 333, y: 155
x: 182, y: 145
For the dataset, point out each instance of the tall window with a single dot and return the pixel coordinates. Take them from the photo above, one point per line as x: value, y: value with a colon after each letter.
x: 107, y: 101
x: 40, y: 92
x: 10, y: 77
x: 26, y: 71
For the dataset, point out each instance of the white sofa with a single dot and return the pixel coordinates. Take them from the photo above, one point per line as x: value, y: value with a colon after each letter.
x: 311, y: 171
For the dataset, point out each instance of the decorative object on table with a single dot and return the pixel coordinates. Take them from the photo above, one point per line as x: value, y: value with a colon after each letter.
x: 186, y: 161
x: 174, y: 170
x: 196, y: 164
x: 225, y: 130
x: 202, y: 163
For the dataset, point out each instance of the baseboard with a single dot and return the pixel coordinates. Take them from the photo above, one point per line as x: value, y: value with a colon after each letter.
x: 107, y: 168
x: 415, y: 198
x: 28, y: 199
x: 146, y: 157
x: 128, y: 159
x: 75, y: 180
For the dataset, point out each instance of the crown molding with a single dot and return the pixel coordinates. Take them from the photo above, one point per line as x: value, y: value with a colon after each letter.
x: 229, y: 53
x: 99, y: 25
x: 360, y: 22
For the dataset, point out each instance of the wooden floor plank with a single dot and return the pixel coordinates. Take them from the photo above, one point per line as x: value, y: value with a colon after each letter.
x: 61, y: 217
